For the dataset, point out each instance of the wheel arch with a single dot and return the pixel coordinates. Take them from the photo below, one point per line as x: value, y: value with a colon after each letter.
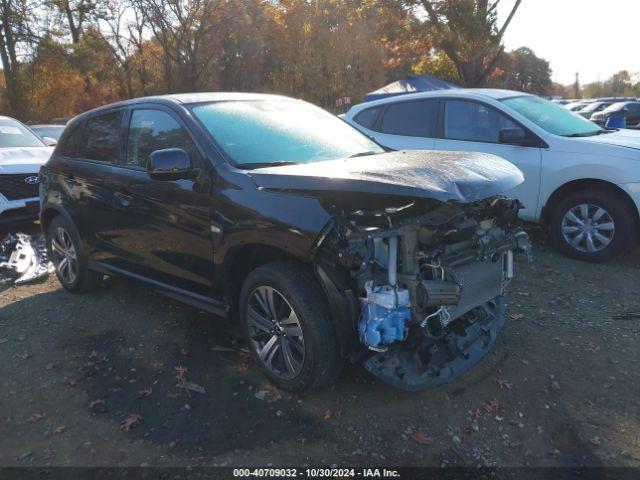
x: 580, y: 185
x: 340, y: 300
x: 241, y: 261
x: 48, y: 213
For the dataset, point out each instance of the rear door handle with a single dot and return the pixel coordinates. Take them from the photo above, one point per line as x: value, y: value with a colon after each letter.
x: 122, y: 199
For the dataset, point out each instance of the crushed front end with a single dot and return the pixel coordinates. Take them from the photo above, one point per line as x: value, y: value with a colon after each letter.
x: 431, y: 279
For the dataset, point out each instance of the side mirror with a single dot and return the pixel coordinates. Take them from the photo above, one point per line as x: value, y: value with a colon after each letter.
x: 51, y: 142
x: 169, y: 164
x: 512, y: 136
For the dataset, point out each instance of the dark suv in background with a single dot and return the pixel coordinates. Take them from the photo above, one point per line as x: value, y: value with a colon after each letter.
x: 273, y: 211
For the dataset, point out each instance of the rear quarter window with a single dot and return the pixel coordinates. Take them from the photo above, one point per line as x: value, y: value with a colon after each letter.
x: 100, y: 139
x: 70, y: 142
x: 367, y: 118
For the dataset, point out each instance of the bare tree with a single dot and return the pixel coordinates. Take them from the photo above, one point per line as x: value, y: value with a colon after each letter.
x: 123, y: 38
x: 16, y: 35
x: 468, y: 32
x: 76, y: 14
x: 185, y: 31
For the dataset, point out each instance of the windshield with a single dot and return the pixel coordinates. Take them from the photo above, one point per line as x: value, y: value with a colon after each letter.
x: 551, y: 117
x: 264, y: 132
x: 14, y: 134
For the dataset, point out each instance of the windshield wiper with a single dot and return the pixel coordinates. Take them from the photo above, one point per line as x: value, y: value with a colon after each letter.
x: 362, y: 154
x: 250, y: 166
x: 588, y: 134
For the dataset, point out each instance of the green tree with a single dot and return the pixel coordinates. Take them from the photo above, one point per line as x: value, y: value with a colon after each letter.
x: 523, y: 70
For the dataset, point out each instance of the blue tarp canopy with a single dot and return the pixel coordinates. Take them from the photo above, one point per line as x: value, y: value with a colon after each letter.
x: 411, y: 84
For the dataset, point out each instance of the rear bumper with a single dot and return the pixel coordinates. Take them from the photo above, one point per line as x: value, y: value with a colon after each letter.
x: 18, y: 210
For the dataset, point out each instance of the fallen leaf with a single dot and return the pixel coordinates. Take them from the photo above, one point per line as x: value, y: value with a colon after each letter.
x: 93, y: 403
x: 555, y: 386
x: 272, y: 388
x: 93, y: 354
x: 145, y: 392
x: 130, y: 422
x: 60, y: 429
x: 592, y: 348
x: 35, y: 417
x: 185, y: 353
x: 180, y: 372
x: 301, y: 440
x: 50, y: 366
x: 49, y: 454
x: 503, y: 384
x: 327, y: 414
x: 193, y: 387
x: 421, y: 438
x: 476, y: 414
x: 492, y: 406
x: 473, y: 428
x: 516, y: 316
x: 267, y: 395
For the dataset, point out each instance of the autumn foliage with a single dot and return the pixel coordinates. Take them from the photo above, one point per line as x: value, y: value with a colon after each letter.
x: 77, y: 54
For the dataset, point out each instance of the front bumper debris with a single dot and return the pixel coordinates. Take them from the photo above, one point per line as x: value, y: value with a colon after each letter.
x: 437, y: 361
x: 26, y: 257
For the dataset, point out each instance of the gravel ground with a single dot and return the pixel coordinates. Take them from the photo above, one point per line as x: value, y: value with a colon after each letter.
x: 124, y: 376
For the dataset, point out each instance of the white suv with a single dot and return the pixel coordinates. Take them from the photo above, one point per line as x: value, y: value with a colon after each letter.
x: 581, y: 180
x: 22, y: 153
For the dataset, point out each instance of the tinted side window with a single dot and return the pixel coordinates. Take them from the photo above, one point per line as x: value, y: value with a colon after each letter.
x: 100, y: 139
x: 473, y: 122
x: 152, y: 130
x: 412, y: 119
x: 367, y: 117
x: 69, y: 148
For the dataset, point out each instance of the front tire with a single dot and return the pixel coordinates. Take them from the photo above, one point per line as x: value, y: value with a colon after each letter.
x: 595, y: 225
x: 66, y: 253
x: 287, y: 324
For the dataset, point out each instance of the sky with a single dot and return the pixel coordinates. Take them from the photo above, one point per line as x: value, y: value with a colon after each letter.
x: 596, y: 38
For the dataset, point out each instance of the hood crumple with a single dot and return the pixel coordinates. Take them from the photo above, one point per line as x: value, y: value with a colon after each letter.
x: 459, y: 176
x: 23, y: 159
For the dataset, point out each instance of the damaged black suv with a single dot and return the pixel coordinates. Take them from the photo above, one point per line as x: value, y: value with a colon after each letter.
x: 272, y: 211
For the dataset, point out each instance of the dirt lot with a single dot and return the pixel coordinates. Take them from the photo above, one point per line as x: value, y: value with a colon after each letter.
x: 96, y: 380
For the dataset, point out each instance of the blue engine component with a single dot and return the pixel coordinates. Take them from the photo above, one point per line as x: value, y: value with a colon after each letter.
x: 385, y: 312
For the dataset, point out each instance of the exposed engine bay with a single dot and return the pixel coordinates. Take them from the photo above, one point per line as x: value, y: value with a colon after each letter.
x: 431, y: 281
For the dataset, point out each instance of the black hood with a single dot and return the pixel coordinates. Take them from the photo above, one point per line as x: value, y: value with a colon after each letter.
x: 459, y: 176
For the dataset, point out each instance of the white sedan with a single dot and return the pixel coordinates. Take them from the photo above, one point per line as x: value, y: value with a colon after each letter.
x: 581, y: 181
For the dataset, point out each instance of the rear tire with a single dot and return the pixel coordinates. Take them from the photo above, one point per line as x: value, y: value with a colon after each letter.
x: 593, y: 225
x: 65, y: 251
x: 287, y: 323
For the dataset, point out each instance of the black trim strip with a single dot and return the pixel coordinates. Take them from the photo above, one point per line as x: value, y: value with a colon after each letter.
x: 199, y: 301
